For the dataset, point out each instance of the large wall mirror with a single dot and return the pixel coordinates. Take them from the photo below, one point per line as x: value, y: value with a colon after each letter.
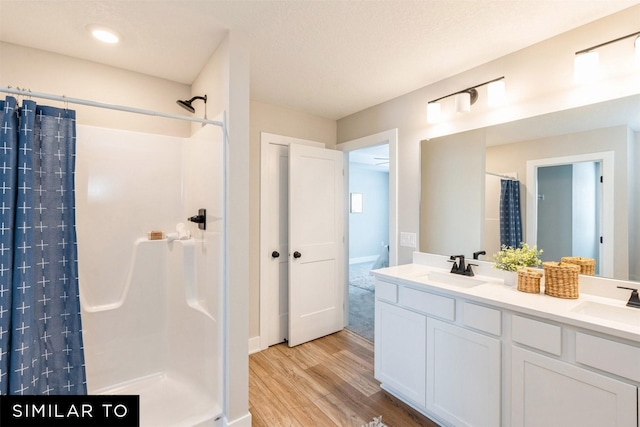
x: 558, y: 156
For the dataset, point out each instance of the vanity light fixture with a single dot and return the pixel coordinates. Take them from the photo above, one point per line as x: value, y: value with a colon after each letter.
x: 586, y: 61
x: 464, y: 99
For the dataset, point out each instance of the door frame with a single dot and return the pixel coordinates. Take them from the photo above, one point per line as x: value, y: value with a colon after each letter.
x: 266, y: 139
x: 607, y: 208
x: 386, y: 137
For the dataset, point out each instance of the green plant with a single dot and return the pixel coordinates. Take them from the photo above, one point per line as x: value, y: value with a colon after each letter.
x: 511, y: 259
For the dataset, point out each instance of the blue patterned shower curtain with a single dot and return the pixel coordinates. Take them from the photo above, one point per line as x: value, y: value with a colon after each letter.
x: 40, y: 331
x: 510, y: 216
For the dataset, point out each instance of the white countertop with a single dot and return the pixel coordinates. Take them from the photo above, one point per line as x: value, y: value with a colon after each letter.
x: 495, y: 292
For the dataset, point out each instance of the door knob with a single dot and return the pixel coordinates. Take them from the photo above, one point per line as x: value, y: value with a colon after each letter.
x: 297, y: 254
x: 275, y: 254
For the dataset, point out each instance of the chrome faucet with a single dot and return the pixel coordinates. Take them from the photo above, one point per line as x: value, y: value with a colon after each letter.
x: 634, y: 299
x: 459, y: 267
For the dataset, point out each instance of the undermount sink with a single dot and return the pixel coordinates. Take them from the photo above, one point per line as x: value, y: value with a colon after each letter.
x: 627, y: 315
x: 452, y: 279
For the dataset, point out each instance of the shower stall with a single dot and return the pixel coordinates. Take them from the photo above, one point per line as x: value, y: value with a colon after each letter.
x: 151, y: 309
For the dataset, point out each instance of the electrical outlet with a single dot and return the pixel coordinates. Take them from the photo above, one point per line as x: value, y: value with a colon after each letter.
x: 408, y: 240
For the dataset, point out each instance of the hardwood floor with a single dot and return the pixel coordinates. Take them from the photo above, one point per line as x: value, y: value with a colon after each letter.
x: 326, y: 382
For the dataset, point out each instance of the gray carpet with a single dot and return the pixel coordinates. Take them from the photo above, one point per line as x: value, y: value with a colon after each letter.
x: 359, y: 276
x: 361, y: 300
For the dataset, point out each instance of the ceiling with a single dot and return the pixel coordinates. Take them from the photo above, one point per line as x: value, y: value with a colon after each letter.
x: 331, y: 58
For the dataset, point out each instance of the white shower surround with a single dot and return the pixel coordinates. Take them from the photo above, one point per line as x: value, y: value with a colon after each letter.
x: 152, y: 309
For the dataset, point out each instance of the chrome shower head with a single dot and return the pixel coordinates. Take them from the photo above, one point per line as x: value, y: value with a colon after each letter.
x: 187, y: 104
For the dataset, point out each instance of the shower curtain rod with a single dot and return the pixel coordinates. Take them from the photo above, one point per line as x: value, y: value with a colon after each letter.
x: 501, y: 176
x: 28, y: 93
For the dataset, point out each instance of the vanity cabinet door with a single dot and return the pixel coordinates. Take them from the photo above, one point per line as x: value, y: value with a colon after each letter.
x: 400, y: 345
x: 550, y: 393
x: 463, y: 375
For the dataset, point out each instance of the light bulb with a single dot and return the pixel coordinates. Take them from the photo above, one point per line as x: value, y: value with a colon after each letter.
x: 585, y: 66
x: 463, y: 102
x: 433, y: 112
x: 496, y: 93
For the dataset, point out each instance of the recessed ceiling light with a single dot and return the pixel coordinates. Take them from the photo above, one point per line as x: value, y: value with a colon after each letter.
x: 104, y: 34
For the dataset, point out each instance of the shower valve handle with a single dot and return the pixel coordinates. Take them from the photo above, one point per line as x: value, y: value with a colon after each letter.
x: 200, y: 219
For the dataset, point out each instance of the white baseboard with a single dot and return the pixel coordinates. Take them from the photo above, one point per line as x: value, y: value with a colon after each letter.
x: 244, y: 421
x: 254, y: 345
x: 359, y: 260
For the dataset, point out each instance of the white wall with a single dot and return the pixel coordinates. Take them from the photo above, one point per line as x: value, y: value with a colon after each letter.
x: 539, y: 79
x: 369, y: 230
x: 42, y: 71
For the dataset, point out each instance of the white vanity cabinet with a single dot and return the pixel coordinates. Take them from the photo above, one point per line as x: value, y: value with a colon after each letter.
x: 468, y: 358
x: 463, y: 375
x: 431, y: 359
x: 552, y: 383
x: 399, y: 363
x: 547, y: 392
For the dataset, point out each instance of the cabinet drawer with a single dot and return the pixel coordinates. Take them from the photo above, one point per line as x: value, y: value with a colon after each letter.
x: 540, y: 335
x: 386, y: 291
x: 425, y: 302
x: 610, y: 356
x: 482, y: 318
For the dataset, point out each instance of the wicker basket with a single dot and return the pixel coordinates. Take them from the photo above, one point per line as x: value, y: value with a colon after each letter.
x: 587, y: 265
x: 561, y: 279
x: 529, y: 280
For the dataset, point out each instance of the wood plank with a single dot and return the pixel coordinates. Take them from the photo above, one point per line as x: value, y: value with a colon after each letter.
x: 303, y: 383
x: 305, y: 355
x: 268, y: 406
x: 327, y: 382
x: 354, y: 374
x: 338, y: 412
x: 312, y: 415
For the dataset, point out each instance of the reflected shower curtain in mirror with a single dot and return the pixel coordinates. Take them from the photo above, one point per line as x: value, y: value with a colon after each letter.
x: 40, y: 330
x: 510, y: 217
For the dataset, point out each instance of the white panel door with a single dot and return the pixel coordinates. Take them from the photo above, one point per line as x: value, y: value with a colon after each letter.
x: 316, y: 288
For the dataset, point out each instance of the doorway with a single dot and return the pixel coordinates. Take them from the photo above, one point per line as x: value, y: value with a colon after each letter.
x: 372, y: 226
x: 569, y: 211
x: 599, y: 166
x: 368, y: 232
